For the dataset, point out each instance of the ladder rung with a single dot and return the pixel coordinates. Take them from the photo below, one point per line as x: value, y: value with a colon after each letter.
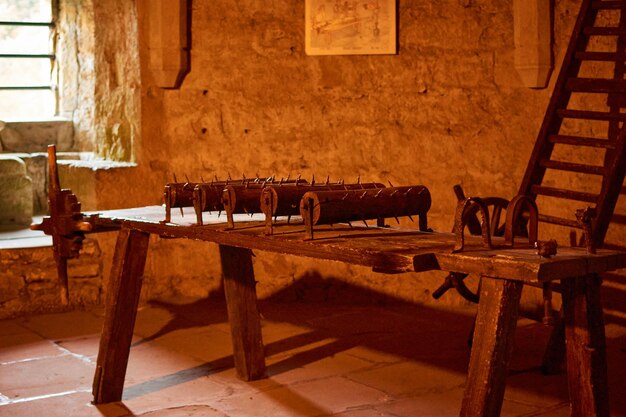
x: 558, y: 220
x: 618, y: 218
x: 597, y: 56
x: 573, y: 167
x: 562, y: 193
x: 604, y: 31
x: 596, y: 85
x: 591, y: 115
x: 581, y: 141
x: 608, y: 4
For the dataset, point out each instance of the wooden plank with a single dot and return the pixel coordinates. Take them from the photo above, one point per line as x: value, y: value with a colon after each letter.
x: 585, y: 346
x: 591, y: 115
x: 120, y: 312
x: 596, y: 85
x: 491, y: 348
x: 559, y: 220
x: 563, y: 193
x: 608, y: 4
x: 243, y: 314
x: 597, y: 56
x: 581, y: 141
x: 573, y: 167
x: 604, y: 31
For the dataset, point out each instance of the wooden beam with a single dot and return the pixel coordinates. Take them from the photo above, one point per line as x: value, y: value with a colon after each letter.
x: 120, y: 313
x: 243, y: 313
x: 491, y: 348
x: 585, y: 347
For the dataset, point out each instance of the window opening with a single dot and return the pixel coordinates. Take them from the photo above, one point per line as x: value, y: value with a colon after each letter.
x: 28, y: 88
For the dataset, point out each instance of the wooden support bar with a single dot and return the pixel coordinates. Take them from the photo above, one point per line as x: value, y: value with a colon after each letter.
x: 604, y: 31
x: 559, y: 220
x: 563, y: 193
x: 608, y: 4
x: 585, y: 346
x: 597, y: 56
x: 573, y: 167
x: 591, y: 115
x: 596, y: 85
x: 581, y: 141
x: 119, y: 319
x: 243, y: 313
x: 492, y: 346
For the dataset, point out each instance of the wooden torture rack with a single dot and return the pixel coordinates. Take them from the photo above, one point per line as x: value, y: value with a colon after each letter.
x: 346, y: 222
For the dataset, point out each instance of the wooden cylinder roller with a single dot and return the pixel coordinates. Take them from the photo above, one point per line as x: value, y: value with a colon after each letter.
x: 285, y: 201
x: 238, y: 199
x: 328, y: 207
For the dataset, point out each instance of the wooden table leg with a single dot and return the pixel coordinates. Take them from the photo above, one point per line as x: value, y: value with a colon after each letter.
x: 492, y: 346
x: 585, y: 346
x: 243, y: 313
x: 120, y: 313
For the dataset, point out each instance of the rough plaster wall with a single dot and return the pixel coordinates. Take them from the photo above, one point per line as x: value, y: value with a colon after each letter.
x: 449, y: 108
x: 117, y: 77
x: 77, y: 85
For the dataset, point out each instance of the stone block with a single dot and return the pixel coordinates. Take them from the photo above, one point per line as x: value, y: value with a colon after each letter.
x: 16, y: 193
x: 11, y: 286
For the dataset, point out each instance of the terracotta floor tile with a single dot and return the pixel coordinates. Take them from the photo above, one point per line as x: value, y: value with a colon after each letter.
x: 25, y: 346
x: 44, y: 376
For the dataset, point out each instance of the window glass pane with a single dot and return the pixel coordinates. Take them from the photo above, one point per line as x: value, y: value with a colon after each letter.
x: 26, y: 10
x: 24, y: 71
x: 24, y: 40
x: 26, y: 105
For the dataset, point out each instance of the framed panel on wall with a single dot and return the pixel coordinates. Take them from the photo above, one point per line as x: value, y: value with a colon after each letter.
x: 350, y: 27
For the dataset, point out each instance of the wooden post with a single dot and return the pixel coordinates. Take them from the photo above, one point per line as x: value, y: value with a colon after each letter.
x: 585, y: 346
x: 243, y: 314
x: 119, y: 319
x: 492, y: 346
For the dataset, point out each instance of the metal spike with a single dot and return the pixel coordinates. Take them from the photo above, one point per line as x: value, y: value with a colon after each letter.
x: 365, y: 223
x: 350, y: 224
x: 281, y: 181
x: 411, y: 218
x: 358, y: 179
x: 175, y: 180
x: 251, y: 214
x: 313, y: 179
x: 216, y: 179
x: 345, y: 196
x: 243, y: 176
x: 218, y: 213
x: 228, y: 173
x: 245, y: 210
x: 327, y: 180
x: 187, y: 178
x: 408, y: 191
x: 275, y: 219
x: 390, y: 183
x: 363, y: 195
x: 298, y: 179
x: 378, y: 193
x: 201, y: 179
x: 397, y: 220
x: 394, y: 193
x: 181, y: 212
x: 287, y: 179
x: 288, y: 218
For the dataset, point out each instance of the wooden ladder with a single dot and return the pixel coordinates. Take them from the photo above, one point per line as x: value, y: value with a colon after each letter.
x: 598, y: 39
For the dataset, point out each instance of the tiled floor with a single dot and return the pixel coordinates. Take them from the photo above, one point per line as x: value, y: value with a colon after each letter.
x: 322, y: 360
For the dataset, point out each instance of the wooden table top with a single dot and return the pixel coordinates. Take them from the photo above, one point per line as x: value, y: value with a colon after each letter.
x: 388, y: 250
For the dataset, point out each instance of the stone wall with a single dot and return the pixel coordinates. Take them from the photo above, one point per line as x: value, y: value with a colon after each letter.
x: 28, y: 280
x: 448, y: 108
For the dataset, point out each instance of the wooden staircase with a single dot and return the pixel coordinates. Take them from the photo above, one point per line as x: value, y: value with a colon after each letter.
x: 584, y: 119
